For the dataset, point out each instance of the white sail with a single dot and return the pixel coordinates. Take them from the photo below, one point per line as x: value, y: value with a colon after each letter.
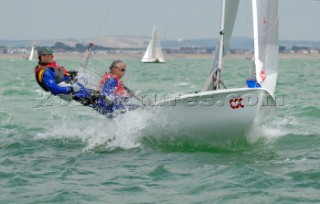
x: 265, y: 27
x: 31, y: 56
x: 228, y: 16
x: 154, y: 50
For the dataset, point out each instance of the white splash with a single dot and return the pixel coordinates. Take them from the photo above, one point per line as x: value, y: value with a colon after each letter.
x: 283, y: 126
x: 121, y: 132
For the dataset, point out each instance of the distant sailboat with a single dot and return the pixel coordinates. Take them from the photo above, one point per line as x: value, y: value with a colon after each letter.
x: 31, y: 56
x: 154, y: 51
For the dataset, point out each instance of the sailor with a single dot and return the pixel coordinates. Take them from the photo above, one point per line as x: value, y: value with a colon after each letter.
x: 115, y: 95
x: 55, y: 79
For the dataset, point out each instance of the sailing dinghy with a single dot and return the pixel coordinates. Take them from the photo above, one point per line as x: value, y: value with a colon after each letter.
x: 216, y: 111
x: 153, y: 53
x: 31, y: 56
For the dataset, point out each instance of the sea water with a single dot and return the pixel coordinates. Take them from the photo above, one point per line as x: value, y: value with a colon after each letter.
x: 57, y: 152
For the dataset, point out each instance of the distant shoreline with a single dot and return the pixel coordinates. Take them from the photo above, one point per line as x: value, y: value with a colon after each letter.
x: 167, y: 56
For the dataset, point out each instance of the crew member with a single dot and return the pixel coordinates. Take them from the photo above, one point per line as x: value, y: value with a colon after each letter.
x: 111, y: 88
x: 55, y: 79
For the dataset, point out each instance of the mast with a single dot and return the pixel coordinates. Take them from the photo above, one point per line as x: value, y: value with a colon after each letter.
x: 229, y: 11
x: 219, y: 67
x: 258, y: 64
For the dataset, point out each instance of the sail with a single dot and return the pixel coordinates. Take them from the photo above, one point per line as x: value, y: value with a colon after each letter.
x: 265, y: 27
x: 31, y: 56
x: 228, y: 16
x: 154, y: 50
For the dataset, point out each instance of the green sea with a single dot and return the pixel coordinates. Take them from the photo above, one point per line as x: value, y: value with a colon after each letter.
x: 56, y: 152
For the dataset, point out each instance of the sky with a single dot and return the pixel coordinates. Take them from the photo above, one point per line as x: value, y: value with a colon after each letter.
x: 174, y: 19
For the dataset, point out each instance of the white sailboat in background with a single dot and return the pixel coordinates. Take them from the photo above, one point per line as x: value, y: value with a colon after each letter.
x: 215, y: 111
x: 31, y: 56
x: 154, y: 51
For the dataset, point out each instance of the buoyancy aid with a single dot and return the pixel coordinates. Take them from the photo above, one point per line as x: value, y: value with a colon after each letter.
x: 59, y: 73
x: 119, y: 90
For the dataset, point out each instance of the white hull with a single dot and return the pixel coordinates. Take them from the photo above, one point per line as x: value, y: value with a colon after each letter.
x: 214, y: 114
x: 153, y: 60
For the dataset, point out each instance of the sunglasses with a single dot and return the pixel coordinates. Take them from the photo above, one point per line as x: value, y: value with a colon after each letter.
x: 121, y: 69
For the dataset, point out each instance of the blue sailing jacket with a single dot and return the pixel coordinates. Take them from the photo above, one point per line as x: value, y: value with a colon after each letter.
x: 109, y: 101
x: 51, y: 84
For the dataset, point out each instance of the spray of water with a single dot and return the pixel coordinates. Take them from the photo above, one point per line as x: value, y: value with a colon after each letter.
x: 124, y: 131
x: 281, y: 127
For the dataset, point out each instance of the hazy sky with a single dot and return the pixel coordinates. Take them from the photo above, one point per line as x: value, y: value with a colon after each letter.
x: 187, y: 19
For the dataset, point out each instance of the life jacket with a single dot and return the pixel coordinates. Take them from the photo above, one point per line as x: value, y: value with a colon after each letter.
x: 120, y: 90
x: 59, y: 73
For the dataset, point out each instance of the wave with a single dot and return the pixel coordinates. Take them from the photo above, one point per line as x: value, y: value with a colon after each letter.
x: 288, y: 125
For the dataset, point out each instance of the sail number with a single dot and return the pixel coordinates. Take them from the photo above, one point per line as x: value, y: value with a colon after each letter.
x: 236, y: 103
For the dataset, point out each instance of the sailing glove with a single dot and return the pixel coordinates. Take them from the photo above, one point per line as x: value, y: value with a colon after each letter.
x: 75, y: 88
x: 72, y: 74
